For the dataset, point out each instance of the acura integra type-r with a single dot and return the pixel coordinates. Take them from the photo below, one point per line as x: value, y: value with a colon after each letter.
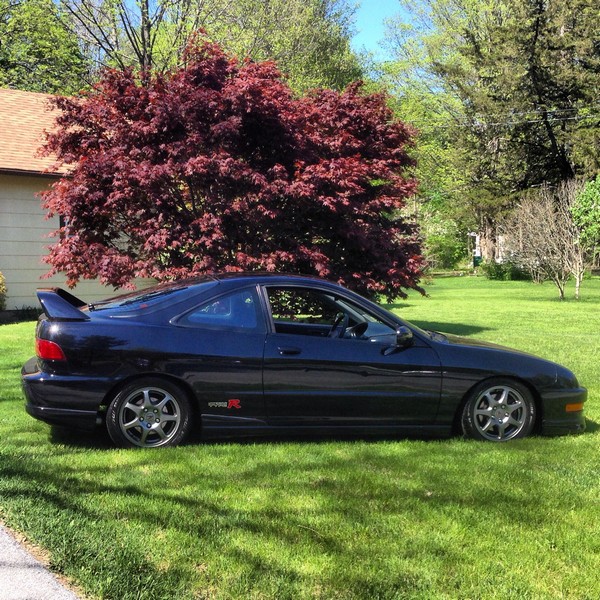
x: 255, y: 354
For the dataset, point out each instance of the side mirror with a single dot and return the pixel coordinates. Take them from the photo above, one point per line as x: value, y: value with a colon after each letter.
x: 404, y: 339
x: 404, y: 336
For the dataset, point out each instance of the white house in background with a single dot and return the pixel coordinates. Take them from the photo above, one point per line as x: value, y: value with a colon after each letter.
x: 24, y: 228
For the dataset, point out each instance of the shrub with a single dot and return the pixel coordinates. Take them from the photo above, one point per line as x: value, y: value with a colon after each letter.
x: 445, y: 245
x: 444, y: 251
x: 2, y: 292
x: 505, y: 271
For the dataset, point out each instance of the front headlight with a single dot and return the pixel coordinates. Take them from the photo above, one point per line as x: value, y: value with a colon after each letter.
x: 565, y: 379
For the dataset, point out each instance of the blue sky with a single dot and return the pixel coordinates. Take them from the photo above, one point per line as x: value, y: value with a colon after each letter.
x: 369, y: 23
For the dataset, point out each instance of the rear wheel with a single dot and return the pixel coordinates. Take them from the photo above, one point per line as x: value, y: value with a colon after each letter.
x: 498, y: 411
x: 149, y: 413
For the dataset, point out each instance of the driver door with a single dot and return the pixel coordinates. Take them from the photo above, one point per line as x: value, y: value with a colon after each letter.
x: 325, y: 365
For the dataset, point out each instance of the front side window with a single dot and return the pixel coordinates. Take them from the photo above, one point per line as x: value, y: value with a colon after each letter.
x: 237, y: 310
x: 303, y: 311
x: 302, y: 306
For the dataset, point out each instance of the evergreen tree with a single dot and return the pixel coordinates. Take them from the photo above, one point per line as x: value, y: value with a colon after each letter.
x: 523, y: 78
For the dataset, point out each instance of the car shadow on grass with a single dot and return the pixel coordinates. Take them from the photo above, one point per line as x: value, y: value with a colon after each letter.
x: 452, y: 328
x: 96, y: 439
x: 99, y: 439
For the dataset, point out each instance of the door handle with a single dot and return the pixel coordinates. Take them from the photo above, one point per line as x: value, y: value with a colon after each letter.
x: 288, y: 350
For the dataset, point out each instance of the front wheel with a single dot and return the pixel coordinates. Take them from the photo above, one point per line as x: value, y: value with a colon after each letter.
x: 149, y: 413
x: 499, y: 411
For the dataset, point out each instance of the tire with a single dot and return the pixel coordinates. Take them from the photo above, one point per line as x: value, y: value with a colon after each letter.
x: 149, y: 413
x: 499, y: 410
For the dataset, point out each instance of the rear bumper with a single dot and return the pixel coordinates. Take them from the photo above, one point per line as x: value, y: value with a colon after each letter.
x: 69, y: 401
x: 79, y: 419
x: 562, y: 414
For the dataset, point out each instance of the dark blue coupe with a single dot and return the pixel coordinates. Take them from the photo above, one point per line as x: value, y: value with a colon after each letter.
x: 255, y: 354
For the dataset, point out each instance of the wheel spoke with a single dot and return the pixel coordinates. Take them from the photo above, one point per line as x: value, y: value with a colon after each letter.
x: 503, y: 396
x: 168, y: 418
x: 517, y: 405
x: 164, y: 402
x: 133, y: 423
x: 490, y: 400
x: 144, y: 435
x: 160, y: 432
x: 502, y: 429
x: 147, y: 399
x: 136, y: 409
x: 488, y: 425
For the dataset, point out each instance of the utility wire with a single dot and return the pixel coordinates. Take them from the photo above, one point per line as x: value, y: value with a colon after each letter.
x: 510, y: 123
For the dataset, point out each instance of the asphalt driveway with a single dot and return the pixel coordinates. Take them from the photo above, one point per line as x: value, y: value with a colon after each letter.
x: 23, y: 577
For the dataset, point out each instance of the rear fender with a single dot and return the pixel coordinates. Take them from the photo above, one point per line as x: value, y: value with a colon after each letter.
x: 185, y: 387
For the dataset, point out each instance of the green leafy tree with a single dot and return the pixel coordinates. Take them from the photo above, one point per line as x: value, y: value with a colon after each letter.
x: 443, y: 216
x: 309, y: 39
x: 586, y: 214
x: 37, y: 52
x: 519, y: 80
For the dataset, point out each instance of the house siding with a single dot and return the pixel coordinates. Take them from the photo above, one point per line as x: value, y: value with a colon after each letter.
x: 24, y: 241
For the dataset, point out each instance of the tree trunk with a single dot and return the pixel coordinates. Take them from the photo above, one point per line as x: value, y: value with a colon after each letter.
x: 487, y: 241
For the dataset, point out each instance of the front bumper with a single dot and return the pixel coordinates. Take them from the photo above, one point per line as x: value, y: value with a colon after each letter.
x: 558, y: 414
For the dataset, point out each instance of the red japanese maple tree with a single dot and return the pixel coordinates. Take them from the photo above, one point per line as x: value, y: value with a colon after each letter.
x: 217, y: 166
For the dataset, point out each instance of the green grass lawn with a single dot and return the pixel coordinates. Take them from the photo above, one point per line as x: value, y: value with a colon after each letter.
x: 327, y: 519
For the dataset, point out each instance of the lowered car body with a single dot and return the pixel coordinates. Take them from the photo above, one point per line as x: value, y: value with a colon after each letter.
x: 256, y: 354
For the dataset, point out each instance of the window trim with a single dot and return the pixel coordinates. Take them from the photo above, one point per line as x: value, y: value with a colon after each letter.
x: 261, y: 325
x: 315, y: 288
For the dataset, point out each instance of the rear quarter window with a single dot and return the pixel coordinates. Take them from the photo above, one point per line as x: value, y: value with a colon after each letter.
x: 237, y: 310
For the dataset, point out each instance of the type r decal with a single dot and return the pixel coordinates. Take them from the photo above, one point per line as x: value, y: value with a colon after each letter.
x: 233, y: 403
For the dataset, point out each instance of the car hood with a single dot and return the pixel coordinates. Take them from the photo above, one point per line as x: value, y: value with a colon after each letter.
x: 561, y: 373
x: 457, y: 340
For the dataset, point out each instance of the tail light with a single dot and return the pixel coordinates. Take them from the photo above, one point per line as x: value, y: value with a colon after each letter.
x: 47, y: 350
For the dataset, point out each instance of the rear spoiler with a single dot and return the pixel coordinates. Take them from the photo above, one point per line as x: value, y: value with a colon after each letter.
x: 59, y: 305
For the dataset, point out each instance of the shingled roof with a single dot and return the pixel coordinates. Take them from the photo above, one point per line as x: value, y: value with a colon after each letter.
x: 24, y: 116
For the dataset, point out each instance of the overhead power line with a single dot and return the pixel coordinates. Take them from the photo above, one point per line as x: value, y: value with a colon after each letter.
x: 481, y: 123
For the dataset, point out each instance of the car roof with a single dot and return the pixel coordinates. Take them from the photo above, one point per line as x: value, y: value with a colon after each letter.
x: 250, y: 277
x: 228, y: 279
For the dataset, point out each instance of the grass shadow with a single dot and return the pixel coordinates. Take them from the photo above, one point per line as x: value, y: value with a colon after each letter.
x: 453, y: 328
x: 397, y: 306
x: 216, y: 439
